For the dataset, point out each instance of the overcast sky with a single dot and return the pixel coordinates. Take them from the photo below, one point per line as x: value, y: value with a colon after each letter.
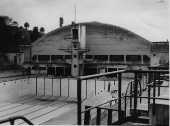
x: 148, y: 18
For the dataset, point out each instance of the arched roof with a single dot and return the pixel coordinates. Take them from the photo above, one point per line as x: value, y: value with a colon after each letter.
x: 109, y: 33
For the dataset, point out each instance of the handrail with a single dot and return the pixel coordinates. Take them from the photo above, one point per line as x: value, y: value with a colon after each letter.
x: 101, y: 104
x: 98, y: 105
x: 100, y: 75
x: 120, y: 71
x: 12, y: 120
x: 150, y: 97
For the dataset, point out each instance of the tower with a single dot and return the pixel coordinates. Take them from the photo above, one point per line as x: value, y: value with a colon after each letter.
x: 75, y: 52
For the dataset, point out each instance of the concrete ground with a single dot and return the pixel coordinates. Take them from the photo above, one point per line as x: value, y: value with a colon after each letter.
x: 59, y: 110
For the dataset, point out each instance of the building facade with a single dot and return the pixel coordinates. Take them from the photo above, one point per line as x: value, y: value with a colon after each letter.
x: 101, y: 48
x: 160, y: 53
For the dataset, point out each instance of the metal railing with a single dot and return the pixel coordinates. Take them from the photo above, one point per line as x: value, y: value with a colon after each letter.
x: 152, y: 75
x: 12, y: 120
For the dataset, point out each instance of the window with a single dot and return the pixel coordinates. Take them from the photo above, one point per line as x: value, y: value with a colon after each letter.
x: 43, y: 57
x: 101, y: 57
x: 56, y: 57
x: 89, y: 56
x: 75, y: 34
x: 67, y: 56
x: 146, y: 58
x: 116, y: 58
x: 133, y: 58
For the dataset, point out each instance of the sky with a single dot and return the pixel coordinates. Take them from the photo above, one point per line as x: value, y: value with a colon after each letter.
x: 147, y: 18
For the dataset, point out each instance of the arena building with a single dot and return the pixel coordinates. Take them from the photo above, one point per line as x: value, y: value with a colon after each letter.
x: 96, y: 48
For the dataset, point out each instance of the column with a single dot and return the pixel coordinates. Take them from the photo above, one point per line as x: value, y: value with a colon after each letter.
x: 124, y: 56
x: 49, y: 58
x: 142, y: 59
x: 37, y: 59
x: 108, y: 58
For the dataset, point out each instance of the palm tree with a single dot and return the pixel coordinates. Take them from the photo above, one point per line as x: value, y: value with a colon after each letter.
x: 42, y: 30
x: 26, y: 25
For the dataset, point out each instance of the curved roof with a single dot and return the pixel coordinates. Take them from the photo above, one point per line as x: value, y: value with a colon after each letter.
x: 97, y: 24
x: 101, y: 33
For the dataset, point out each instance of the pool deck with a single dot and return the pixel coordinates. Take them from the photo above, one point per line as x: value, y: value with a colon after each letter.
x: 59, y: 110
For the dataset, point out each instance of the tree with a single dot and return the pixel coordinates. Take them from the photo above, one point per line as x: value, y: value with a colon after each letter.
x: 42, y: 30
x: 26, y: 25
x: 35, y: 34
x: 14, y: 23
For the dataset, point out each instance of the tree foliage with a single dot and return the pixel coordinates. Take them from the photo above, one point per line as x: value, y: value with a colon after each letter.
x: 12, y: 35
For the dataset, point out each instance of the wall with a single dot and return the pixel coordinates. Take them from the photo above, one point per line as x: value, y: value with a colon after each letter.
x: 159, y: 58
x: 161, y: 116
x: 11, y: 90
x: 11, y: 57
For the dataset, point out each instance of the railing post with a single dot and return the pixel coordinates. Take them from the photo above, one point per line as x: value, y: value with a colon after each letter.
x: 135, y: 96
x: 149, y: 89
x: 86, y: 88
x: 119, y: 97
x: 104, y: 84
x: 60, y: 86
x: 79, y: 102
x: 52, y: 86
x: 125, y: 107
x: 68, y: 87
x: 159, y: 83
x: 109, y: 120
x: 131, y: 95
x: 36, y: 86
x: 154, y: 92
x: 87, y: 116
x: 95, y: 87
x: 98, y: 116
x: 148, y: 96
x: 44, y: 85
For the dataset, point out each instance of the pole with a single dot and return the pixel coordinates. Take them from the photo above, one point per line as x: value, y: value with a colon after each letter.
x: 135, y: 95
x: 78, y: 102
x: 119, y: 97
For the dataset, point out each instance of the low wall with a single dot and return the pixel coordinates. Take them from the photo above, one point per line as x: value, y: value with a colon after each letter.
x: 13, y: 89
x: 161, y: 115
x: 47, y: 86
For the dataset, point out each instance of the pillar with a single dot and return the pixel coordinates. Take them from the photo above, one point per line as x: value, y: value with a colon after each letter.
x: 142, y: 59
x: 124, y: 56
x: 49, y: 58
x: 37, y: 59
x: 108, y: 58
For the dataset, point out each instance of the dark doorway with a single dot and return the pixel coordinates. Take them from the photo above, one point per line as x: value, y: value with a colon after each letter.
x: 15, y: 59
x: 89, y: 71
x: 111, y: 70
x: 51, y: 71
x: 59, y: 71
x: 67, y: 71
